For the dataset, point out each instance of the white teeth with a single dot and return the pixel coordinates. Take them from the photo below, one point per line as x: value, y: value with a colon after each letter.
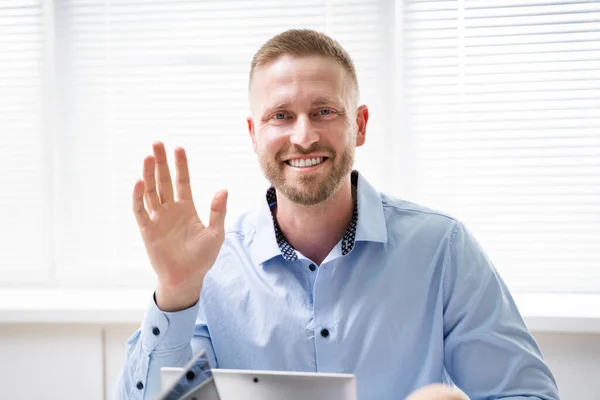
x: 306, y: 162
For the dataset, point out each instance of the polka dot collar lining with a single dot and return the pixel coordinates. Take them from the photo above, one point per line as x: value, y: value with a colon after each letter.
x: 288, y: 252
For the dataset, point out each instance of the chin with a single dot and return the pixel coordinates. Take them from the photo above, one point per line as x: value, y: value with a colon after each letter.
x: 309, y: 181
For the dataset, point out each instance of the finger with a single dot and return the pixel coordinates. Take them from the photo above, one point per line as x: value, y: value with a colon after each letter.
x: 184, y: 188
x: 141, y: 215
x: 150, y: 184
x: 163, y: 175
x: 218, y: 209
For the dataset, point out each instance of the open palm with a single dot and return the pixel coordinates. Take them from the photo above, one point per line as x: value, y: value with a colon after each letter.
x: 180, y: 247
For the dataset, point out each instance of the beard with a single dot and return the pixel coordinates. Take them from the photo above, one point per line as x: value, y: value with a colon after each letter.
x: 308, y: 189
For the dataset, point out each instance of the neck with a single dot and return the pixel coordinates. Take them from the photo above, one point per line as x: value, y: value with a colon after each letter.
x: 315, y: 230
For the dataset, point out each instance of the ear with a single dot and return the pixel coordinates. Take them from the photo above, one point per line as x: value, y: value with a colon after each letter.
x: 251, y: 132
x: 362, y: 117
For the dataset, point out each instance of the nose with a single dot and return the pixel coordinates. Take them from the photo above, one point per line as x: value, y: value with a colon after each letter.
x: 303, y: 133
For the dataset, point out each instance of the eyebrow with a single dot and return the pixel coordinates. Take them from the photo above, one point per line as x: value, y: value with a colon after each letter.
x: 316, y: 102
x: 279, y: 106
x: 324, y: 100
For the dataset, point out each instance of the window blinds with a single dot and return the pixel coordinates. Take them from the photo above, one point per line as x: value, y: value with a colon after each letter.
x: 504, y: 105
x: 25, y: 203
x: 134, y: 71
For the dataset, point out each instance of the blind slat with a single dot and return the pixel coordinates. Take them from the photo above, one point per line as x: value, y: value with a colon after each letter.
x: 176, y: 71
x: 503, y: 99
x: 23, y: 210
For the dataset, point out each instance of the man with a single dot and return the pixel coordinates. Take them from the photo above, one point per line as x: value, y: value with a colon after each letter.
x: 326, y: 274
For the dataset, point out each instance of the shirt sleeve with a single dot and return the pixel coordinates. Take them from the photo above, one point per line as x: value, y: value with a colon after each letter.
x: 488, y: 351
x: 165, y: 339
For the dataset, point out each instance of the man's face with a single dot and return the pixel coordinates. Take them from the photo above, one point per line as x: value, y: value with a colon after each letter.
x: 305, y: 126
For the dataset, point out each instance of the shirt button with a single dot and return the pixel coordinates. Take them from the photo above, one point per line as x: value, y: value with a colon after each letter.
x: 139, y: 385
x: 155, y: 331
x: 312, y: 267
x: 324, y: 333
x: 190, y: 375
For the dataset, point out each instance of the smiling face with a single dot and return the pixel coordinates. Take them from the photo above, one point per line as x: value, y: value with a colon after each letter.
x: 305, y: 125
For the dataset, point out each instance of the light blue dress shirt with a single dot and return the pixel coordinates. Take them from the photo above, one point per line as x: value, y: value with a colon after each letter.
x: 406, y: 299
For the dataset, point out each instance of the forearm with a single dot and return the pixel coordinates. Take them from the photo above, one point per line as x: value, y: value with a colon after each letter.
x: 488, y: 351
x: 140, y: 376
x: 164, y: 340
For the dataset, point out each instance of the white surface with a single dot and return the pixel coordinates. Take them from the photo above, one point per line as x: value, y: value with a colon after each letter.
x: 51, y: 362
x: 575, y: 363
x: 73, y: 305
x: 578, y: 313
x: 240, y: 385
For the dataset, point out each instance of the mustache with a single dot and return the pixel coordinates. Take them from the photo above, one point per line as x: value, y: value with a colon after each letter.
x: 296, y: 150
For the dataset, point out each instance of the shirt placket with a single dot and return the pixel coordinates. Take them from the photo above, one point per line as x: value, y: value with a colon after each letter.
x: 325, y: 328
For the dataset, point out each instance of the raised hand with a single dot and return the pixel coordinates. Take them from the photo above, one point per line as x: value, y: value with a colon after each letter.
x: 180, y: 247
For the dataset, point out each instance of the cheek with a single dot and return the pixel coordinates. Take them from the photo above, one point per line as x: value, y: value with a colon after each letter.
x: 270, y: 140
x: 341, y: 134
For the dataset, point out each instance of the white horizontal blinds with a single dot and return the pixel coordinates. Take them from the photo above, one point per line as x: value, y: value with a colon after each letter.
x: 504, y: 99
x: 22, y: 227
x: 364, y: 29
x: 137, y: 71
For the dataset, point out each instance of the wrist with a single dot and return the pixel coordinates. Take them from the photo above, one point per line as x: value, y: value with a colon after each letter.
x: 176, y: 298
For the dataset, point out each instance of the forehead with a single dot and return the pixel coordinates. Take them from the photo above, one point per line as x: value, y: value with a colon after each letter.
x: 293, y: 79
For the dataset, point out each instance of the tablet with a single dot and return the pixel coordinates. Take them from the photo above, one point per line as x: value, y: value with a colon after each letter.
x: 231, y: 384
x: 277, y: 385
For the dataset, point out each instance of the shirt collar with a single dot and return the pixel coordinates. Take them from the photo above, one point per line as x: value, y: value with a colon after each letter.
x: 270, y: 242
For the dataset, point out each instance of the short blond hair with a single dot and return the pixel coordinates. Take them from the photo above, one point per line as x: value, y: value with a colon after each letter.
x: 303, y: 42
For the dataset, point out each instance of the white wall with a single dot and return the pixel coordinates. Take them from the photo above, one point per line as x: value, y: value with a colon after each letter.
x: 77, y: 361
x: 575, y: 362
x: 51, y: 362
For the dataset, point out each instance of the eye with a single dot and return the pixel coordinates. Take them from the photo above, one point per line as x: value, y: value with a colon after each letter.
x: 325, y: 111
x: 279, y: 116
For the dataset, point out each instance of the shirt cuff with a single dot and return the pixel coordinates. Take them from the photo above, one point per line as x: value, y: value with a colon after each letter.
x: 163, y: 331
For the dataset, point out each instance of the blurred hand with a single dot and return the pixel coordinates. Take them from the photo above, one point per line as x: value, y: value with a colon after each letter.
x: 437, y: 392
x: 180, y: 247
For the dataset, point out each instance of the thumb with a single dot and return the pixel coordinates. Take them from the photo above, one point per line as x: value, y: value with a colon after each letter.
x: 218, y: 209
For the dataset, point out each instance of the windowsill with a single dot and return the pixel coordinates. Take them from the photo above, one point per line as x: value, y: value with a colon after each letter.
x: 73, y: 305
x: 574, y: 313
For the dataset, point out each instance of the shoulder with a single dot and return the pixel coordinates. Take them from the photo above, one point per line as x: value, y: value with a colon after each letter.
x: 405, y: 217
x: 243, y: 224
x: 244, y: 234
